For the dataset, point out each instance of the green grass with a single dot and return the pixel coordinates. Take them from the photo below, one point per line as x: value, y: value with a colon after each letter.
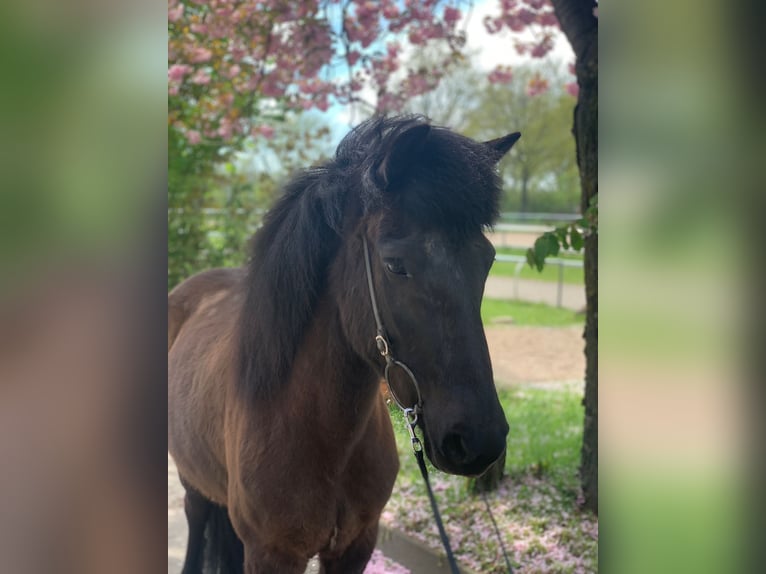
x: 545, y: 435
x: 546, y: 432
x: 572, y: 275
x: 523, y: 252
x: 528, y: 314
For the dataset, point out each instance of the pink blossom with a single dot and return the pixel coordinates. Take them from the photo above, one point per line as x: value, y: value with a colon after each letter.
x: 540, y: 50
x: 548, y: 19
x: 176, y: 72
x: 226, y: 129
x: 536, y: 4
x: 270, y: 87
x: 201, y: 78
x: 193, y: 137
x: 417, y: 37
x: 199, y: 28
x: 492, y: 25
x: 526, y: 17
x: 537, y: 86
x: 175, y: 13
x: 355, y: 33
x: 501, y: 75
x: 234, y: 71
x: 367, y: 10
x: 237, y: 49
x: 390, y: 11
x: 353, y: 57
x: 573, y: 89
x: 387, y: 516
x: 416, y: 85
x: 451, y: 15
x: 379, y: 564
x: 199, y: 55
x: 264, y: 130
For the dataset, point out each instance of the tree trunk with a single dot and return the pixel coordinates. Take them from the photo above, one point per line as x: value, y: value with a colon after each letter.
x: 524, y: 190
x: 581, y: 29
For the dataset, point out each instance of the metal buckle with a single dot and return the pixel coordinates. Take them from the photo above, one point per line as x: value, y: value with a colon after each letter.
x: 382, y: 344
x: 411, y: 416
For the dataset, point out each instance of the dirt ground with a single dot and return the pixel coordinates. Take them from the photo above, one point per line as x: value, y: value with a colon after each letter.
x: 536, y: 354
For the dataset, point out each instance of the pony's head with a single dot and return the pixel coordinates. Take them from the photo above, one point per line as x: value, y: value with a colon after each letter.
x: 426, y: 194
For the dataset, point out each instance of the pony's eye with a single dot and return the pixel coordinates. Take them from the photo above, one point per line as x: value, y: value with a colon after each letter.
x: 395, y: 266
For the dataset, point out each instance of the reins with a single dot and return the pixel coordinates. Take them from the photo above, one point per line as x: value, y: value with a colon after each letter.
x: 411, y: 415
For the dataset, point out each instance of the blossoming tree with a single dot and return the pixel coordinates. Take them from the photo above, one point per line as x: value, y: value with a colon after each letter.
x: 232, y: 64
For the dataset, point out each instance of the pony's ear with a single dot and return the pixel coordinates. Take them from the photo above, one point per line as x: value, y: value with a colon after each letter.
x: 401, y: 153
x: 500, y: 146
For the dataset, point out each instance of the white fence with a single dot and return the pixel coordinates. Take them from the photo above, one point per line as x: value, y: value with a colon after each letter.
x: 520, y: 261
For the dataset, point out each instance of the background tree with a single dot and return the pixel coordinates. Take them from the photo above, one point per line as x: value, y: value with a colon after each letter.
x: 578, y: 19
x: 540, y: 175
x: 580, y: 24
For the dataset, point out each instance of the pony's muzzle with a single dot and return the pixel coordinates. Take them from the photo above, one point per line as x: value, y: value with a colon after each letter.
x: 471, y: 453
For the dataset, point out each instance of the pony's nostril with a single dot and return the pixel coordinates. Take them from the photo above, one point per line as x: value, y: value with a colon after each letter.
x: 454, y: 447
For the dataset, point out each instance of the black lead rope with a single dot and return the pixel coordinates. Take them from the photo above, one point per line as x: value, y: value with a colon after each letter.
x: 442, y: 533
x: 411, y: 415
x: 497, y: 533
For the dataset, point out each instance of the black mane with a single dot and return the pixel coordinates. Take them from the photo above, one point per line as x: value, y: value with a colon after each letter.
x: 451, y: 184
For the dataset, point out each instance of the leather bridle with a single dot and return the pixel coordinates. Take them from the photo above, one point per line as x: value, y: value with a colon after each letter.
x: 384, y: 348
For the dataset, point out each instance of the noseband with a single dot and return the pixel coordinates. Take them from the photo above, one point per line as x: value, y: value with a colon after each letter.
x: 384, y: 348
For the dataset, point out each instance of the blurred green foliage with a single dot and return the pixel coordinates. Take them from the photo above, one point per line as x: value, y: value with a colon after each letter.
x: 211, y: 209
x: 217, y: 196
x: 568, y: 236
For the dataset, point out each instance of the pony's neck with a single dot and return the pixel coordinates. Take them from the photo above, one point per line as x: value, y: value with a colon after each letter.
x: 333, y: 381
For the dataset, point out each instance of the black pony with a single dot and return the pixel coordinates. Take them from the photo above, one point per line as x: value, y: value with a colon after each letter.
x: 274, y: 416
